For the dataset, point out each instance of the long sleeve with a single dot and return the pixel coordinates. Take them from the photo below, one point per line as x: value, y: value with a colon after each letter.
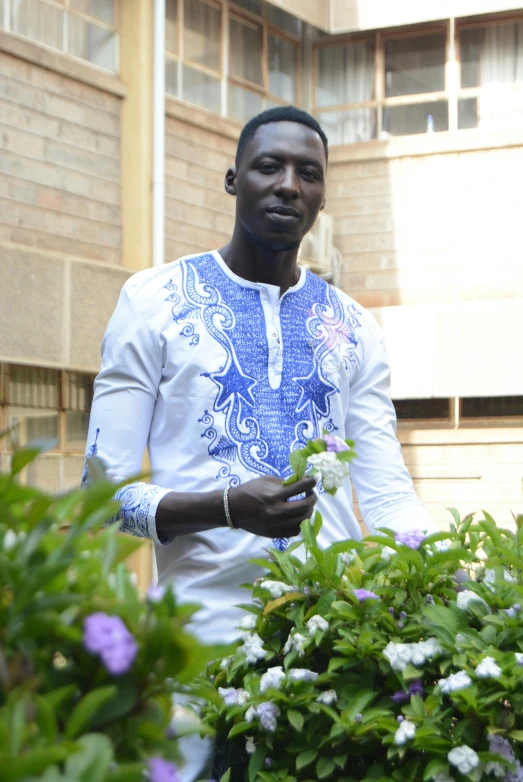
x: 124, y: 397
x: 383, y: 485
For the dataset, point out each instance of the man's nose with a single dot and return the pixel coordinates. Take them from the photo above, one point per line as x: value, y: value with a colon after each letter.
x: 288, y: 185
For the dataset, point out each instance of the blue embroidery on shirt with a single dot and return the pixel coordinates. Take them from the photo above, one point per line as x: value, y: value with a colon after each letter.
x: 133, y: 515
x: 91, y: 451
x: 188, y: 331
x: 224, y: 450
x: 260, y: 424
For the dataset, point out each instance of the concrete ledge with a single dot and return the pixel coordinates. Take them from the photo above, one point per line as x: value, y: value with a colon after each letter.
x: 202, y: 118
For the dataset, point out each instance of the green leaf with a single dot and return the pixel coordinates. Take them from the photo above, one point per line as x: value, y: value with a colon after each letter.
x: 441, y: 617
x: 298, y: 462
x: 239, y: 728
x: 324, y: 767
x: 91, y: 762
x: 317, y: 523
x: 517, y: 735
x: 22, y: 458
x: 127, y: 772
x: 84, y: 711
x: 306, y: 758
x: 226, y: 777
x: 296, y: 719
x: 357, y: 705
x: 256, y: 763
x: 436, y: 766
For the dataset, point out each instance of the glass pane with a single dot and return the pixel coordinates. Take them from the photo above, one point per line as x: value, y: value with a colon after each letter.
x: 44, y: 473
x: 76, y: 426
x: 72, y: 467
x: 102, y: 9
x: 171, y: 26
x: 202, y: 33
x: 280, y: 18
x: 415, y: 65
x: 492, y: 407
x: 39, y: 22
x: 282, y: 69
x: 171, y: 77
x: 32, y: 424
x: 92, y: 43
x: 33, y: 387
x: 347, y: 127
x: 201, y: 88
x: 421, y: 409
x: 79, y: 392
x: 417, y: 118
x: 345, y: 74
x: 254, y: 6
x: 243, y: 104
x: 492, y: 55
x: 245, y: 42
x: 467, y: 113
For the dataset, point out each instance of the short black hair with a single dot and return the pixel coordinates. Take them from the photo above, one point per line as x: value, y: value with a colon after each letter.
x: 279, y: 114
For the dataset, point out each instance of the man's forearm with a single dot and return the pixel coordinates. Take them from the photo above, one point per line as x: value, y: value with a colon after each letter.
x: 182, y: 513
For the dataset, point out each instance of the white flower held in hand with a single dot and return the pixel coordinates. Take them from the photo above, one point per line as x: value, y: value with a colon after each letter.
x: 277, y: 588
x: 327, y: 698
x: 272, y: 678
x: 464, y: 758
x: 488, y: 669
x: 405, y: 732
x: 317, y: 622
x: 455, y: 682
x: 247, y: 622
x: 252, y: 647
x: 333, y: 472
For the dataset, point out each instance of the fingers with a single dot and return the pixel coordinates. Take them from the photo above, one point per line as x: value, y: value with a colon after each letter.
x: 303, y: 486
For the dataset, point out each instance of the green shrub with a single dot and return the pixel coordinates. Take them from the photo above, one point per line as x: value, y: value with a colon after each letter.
x: 363, y: 662
x: 68, y: 713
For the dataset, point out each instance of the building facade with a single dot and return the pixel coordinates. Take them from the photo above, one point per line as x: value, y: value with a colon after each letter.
x: 423, y: 106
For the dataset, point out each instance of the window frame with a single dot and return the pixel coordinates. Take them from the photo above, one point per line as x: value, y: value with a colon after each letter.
x: 452, y: 92
x: 64, y: 5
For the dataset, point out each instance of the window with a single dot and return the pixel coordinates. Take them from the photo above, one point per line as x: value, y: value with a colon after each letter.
x: 492, y: 407
x: 260, y: 68
x: 380, y: 87
x: 422, y: 409
x: 46, y: 405
x: 81, y: 28
x: 491, y: 95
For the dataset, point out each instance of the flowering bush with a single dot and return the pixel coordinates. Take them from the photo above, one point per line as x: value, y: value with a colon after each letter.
x: 87, y: 666
x: 364, y: 662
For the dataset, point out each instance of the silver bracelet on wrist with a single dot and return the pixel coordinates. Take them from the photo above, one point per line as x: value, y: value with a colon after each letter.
x: 226, y: 508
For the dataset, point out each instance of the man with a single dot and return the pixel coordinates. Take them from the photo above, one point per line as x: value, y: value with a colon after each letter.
x: 222, y: 363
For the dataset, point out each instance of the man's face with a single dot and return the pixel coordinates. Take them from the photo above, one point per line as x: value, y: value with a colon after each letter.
x: 280, y: 183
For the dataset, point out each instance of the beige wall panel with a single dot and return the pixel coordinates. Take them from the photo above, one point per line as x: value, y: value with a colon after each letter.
x: 32, y: 301
x: 194, y: 235
x: 316, y: 12
x: 193, y: 173
x: 199, y: 217
x: 60, y: 163
x: 214, y: 199
x: 94, y: 291
x: 374, y: 14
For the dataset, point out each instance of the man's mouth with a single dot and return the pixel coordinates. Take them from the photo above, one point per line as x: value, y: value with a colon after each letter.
x: 285, y: 213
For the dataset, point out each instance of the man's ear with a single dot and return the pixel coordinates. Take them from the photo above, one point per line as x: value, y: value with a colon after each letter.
x: 230, y: 181
x: 322, y: 205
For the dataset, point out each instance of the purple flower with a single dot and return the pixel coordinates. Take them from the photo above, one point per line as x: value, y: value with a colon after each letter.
x: 401, y: 697
x: 163, y: 771
x: 155, y: 593
x: 108, y: 637
x: 403, y: 614
x: 400, y: 718
x: 269, y: 762
x: 365, y: 594
x: 412, y: 538
x: 415, y: 688
x: 391, y: 611
x: 335, y: 443
x: 429, y: 598
x: 400, y: 625
x: 268, y: 714
x: 516, y: 607
x: 358, y: 718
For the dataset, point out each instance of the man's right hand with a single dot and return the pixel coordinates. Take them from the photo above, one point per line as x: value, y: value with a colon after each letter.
x: 263, y: 507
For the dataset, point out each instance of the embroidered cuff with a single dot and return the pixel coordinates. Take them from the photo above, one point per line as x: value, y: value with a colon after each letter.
x: 137, y: 515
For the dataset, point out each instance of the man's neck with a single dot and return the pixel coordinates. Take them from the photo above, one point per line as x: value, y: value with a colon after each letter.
x: 256, y: 263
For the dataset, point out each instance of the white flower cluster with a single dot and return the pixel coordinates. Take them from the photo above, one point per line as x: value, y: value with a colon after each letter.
x: 464, y: 759
x: 405, y: 732
x: 266, y: 713
x: 272, y: 678
x: 302, y: 675
x: 490, y: 578
x: 296, y: 641
x: 247, y: 622
x: 277, y: 588
x: 464, y: 599
x: 252, y: 647
x: 400, y: 655
x: 11, y: 539
x: 233, y: 696
x: 333, y: 472
x: 488, y: 669
x: 455, y: 682
x: 328, y: 698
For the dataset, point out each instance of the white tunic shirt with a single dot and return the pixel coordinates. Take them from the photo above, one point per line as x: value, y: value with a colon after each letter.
x: 221, y: 378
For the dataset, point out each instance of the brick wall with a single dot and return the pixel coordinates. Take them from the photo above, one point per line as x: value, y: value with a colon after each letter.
x: 199, y: 214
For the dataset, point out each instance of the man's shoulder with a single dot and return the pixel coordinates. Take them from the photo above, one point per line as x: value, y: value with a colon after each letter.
x: 358, y: 313
x: 156, y: 280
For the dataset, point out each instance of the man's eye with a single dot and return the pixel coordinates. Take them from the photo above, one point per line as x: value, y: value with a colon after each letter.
x: 309, y: 174
x: 268, y: 168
